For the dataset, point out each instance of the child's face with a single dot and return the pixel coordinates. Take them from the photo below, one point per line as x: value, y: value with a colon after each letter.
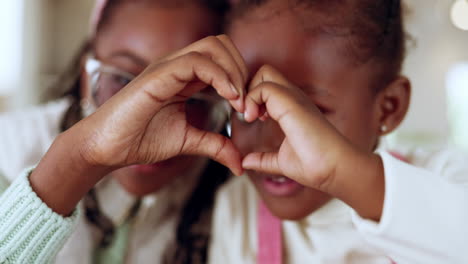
x: 319, y: 66
x: 136, y: 35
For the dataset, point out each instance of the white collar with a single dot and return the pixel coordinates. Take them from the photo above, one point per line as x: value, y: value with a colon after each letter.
x: 116, y: 203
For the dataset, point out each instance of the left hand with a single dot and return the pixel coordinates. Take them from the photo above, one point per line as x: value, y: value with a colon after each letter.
x: 309, y: 152
x: 313, y: 152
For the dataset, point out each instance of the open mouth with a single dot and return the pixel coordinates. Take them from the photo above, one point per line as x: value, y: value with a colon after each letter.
x: 277, y: 185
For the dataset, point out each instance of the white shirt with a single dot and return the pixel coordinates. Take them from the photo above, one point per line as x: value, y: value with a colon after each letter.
x: 425, y: 219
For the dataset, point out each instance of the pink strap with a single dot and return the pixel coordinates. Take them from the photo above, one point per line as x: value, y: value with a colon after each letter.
x: 270, y: 241
x: 398, y: 156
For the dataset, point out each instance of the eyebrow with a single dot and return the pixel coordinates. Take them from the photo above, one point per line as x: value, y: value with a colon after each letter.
x: 134, y: 58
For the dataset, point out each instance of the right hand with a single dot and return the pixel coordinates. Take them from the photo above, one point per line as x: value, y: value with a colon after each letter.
x: 145, y: 122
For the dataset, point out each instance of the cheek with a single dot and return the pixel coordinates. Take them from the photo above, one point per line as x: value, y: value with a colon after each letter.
x: 142, y: 183
x: 357, y: 124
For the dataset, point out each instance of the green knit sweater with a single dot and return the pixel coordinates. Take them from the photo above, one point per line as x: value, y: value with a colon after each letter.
x: 30, y: 232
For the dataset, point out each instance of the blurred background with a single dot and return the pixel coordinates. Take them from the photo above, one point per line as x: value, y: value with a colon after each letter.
x: 40, y: 37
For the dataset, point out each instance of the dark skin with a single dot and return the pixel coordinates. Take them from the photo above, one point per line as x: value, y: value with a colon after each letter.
x: 151, y: 121
x: 314, y: 151
x: 145, y: 123
x: 312, y: 87
x: 135, y: 35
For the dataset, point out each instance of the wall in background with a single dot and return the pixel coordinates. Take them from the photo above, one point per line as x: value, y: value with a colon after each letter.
x: 437, y: 46
x: 53, y: 31
x: 11, y: 39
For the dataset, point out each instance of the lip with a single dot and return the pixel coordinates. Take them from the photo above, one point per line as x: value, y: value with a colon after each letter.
x: 280, y: 189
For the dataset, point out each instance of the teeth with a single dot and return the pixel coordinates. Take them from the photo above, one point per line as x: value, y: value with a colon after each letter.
x: 278, y: 179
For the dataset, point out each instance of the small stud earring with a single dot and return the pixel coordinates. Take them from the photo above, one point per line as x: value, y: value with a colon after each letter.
x: 383, y: 129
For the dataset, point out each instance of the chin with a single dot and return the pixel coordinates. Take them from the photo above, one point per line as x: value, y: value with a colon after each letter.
x: 286, y: 198
x: 138, y: 189
x: 294, y: 206
x: 139, y: 184
x: 288, y: 212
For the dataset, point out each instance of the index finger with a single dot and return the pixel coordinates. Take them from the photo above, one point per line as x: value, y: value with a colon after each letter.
x: 215, y: 49
x: 268, y: 73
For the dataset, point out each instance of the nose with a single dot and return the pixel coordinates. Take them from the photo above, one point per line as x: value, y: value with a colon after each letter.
x: 270, y: 137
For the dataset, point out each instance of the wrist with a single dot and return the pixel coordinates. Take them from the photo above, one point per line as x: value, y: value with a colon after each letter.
x: 360, y: 183
x: 63, y: 176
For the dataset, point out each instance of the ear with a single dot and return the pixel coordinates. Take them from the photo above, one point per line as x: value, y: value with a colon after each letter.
x: 393, y: 103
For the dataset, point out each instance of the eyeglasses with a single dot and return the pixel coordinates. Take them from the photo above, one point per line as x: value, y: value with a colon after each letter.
x: 205, y: 110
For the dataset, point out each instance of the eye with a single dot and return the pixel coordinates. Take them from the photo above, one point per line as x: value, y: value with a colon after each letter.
x: 193, y: 101
x: 108, y: 85
x: 115, y: 82
x: 120, y: 80
x: 323, y: 110
x: 198, y: 107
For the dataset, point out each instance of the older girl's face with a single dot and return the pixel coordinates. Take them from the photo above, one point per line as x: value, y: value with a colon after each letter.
x: 135, y: 35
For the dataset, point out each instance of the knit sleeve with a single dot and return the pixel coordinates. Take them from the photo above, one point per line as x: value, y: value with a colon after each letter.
x: 30, y: 232
x: 3, y: 182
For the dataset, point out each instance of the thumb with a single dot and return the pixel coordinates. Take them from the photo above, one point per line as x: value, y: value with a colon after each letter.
x: 262, y: 162
x: 214, y: 146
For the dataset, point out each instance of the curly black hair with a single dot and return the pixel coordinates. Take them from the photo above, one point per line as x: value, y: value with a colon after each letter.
x: 373, y: 29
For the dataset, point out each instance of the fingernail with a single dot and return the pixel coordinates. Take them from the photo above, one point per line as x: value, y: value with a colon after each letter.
x: 246, y: 117
x: 233, y: 88
x: 240, y: 116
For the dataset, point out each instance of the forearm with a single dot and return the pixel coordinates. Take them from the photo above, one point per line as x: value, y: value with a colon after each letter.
x: 63, y: 177
x: 360, y: 183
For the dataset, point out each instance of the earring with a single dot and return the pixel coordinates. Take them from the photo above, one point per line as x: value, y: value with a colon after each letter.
x: 383, y: 128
